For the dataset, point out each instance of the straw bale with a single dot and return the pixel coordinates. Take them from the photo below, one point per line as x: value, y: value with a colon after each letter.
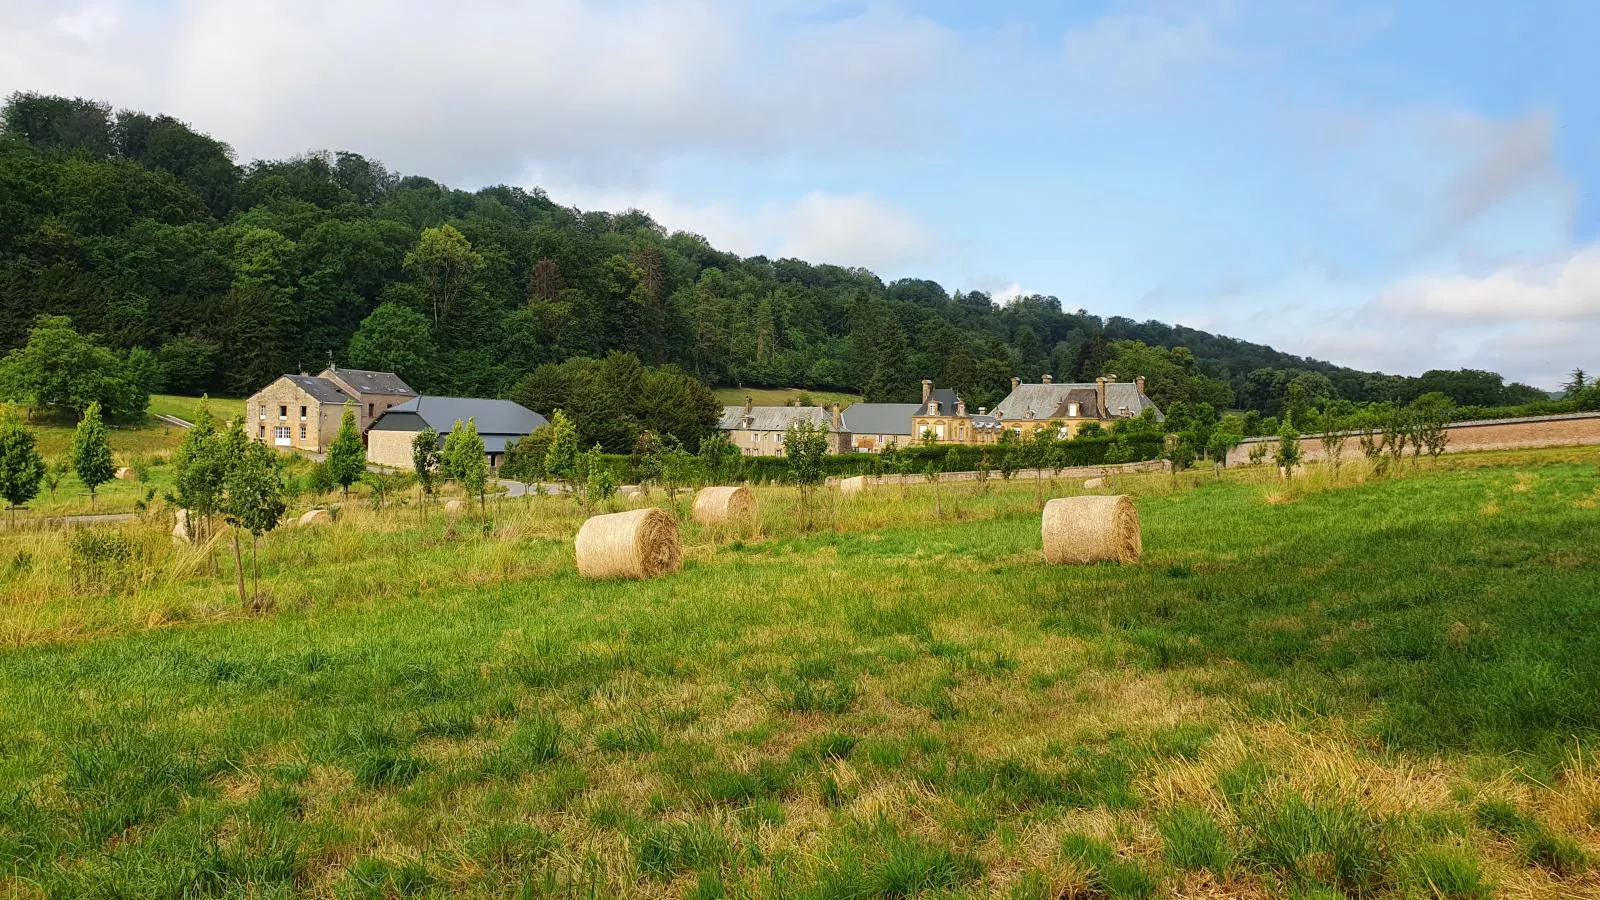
x: 639, y: 543
x: 180, y: 527
x: 724, y: 506
x: 849, y: 487
x: 124, y: 474
x: 314, y: 517
x: 454, y: 507
x: 1091, y: 529
x: 1094, y: 484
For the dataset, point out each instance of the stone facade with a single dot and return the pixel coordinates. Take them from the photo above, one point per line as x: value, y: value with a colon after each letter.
x: 1575, y: 429
x: 390, y: 448
x: 303, y: 412
x: 287, y: 416
x: 759, y: 430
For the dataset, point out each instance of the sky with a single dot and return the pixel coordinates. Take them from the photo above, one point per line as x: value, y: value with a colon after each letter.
x: 1387, y: 185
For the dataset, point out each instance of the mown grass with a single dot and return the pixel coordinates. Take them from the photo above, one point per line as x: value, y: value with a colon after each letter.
x: 1381, y: 688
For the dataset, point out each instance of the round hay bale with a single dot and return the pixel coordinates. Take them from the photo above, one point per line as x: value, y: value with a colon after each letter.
x: 454, y: 507
x: 180, y: 527
x: 1081, y: 530
x: 724, y: 506
x: 849, y: 487
x: 314, y: 517
x: 1094, y: 484
x: 636, y: 499
x: 639, y: 543
x: 124, y: 474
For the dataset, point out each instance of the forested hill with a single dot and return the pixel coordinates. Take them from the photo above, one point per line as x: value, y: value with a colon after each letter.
x: 149, y: 234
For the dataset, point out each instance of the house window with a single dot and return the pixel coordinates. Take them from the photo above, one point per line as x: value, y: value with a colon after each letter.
x: 261, y: 430
x: 280, y: 435
x: 302, y: 413
x: 369, y: 409
x: 1072, y: 410
x: 261, y: 413
x: 302, y: 432
x: 938, y: 431
x: 283, y: 412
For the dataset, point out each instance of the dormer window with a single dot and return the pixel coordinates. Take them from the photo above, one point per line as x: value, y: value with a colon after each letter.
x: 933, y: 407
x: 1072, y: 410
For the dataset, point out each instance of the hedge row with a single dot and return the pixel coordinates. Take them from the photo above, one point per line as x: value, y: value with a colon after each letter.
x: 956, y: 458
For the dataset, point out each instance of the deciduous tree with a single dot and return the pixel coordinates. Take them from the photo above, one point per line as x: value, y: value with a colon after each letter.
x: 347, y: 458
x: 91, y: 451
x: 21, y: 468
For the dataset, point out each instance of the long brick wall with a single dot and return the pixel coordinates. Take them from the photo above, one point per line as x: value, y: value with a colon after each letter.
x: 1571, y: 430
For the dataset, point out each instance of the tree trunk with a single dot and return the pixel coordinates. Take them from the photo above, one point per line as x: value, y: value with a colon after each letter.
x: 238, y: 565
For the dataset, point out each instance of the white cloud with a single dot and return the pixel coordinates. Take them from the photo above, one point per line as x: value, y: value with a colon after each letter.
x: 1531, y: 322
x: 474, y: 89
x: 856, y: 229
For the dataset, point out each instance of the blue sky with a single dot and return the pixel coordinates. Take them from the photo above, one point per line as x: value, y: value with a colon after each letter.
x: 1388, y: 185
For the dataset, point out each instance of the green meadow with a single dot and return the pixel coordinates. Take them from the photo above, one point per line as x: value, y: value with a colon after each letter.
x: 1363, y: 687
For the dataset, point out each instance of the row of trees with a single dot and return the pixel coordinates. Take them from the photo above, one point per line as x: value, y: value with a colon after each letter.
x: 224, y: 276
x: 23, y: 471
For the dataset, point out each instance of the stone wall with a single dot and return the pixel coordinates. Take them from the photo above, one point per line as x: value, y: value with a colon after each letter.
x: 1154, y: 465
x: 319, y: 424
x: 390, y: 448
x: 1574, y: 429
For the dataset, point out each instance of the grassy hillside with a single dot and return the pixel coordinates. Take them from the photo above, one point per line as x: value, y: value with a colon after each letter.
x: 1383, y: 688
x: 732, y: 396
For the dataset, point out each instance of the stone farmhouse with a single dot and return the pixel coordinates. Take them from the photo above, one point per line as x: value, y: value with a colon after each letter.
x: 874, y: 427
x: 759, y: 430
x: 1069, y: 407
x: 303, y: 412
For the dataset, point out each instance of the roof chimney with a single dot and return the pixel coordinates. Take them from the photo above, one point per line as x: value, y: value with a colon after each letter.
x: 838, y: 418
x: 796, y: 403
x: 749, y: 405
x: 1014, y: 382
x: 1100, y: 398
x: 1139, y: 380
x: 1047, y: 378
x: 927, y: 390
x: 983, y: 410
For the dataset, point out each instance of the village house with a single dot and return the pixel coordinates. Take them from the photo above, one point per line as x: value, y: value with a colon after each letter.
x: 303, y: 412
x: 499, y: 422
x: 1069, y: 407
x: 875, y: 427
x: 942, y: 417
x: 759, y: 430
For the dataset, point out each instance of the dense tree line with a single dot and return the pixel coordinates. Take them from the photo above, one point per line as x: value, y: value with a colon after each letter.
x: 150, y: 236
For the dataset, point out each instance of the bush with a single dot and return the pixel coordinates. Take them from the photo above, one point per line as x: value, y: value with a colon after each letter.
x: 101, y: 560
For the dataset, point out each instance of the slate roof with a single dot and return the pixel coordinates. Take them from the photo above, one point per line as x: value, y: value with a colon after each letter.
x: 945, y: 397
x: 773, y: 418
x: 1050, y: 401
x: 493, y: 418
x: 364, y: 381
x: 879, y: 418
x: 320, y: 389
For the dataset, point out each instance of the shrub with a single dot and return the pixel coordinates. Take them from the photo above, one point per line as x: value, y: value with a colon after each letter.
x: 101, y: 560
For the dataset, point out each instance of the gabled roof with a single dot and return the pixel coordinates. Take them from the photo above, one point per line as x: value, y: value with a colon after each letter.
x: 1042, y: 402
x: 320, y: 389
x: 879, y: 418
x: 491, y: 417
x: 945, y: 397
x: 773, y: 418
x: 364, y: 381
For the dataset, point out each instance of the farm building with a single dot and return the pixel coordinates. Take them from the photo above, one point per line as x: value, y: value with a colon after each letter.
x: 498, y: 422
x: 759, y: 430
x: 302, y: 412
x: 875, y: 427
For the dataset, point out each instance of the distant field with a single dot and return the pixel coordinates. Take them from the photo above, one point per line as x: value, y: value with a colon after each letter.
x: 1377, y: 688
x: 222, y: 408
x: 732, y: 396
